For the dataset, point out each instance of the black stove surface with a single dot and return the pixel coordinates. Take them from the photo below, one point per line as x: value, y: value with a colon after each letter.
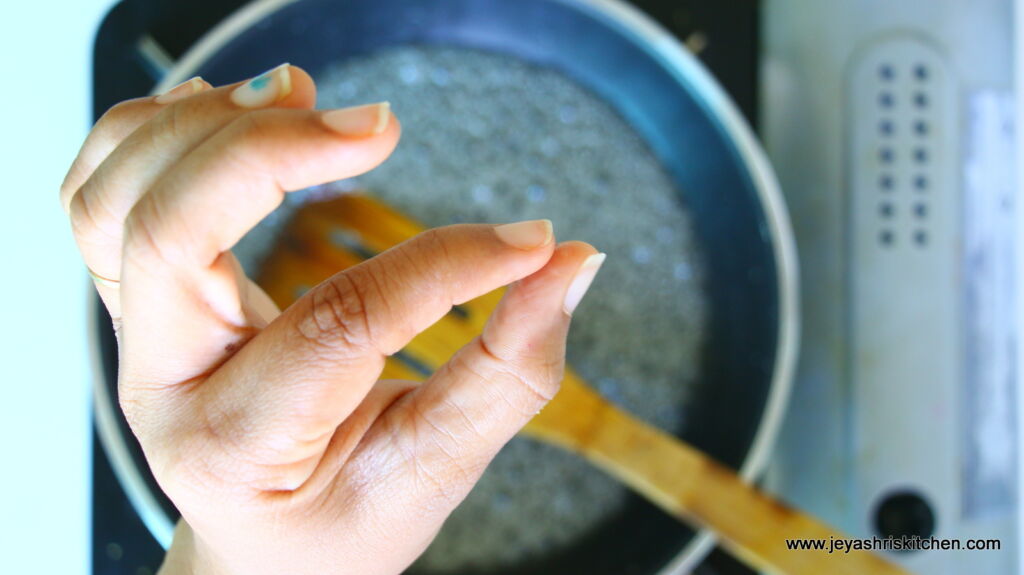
x: 725, y: 36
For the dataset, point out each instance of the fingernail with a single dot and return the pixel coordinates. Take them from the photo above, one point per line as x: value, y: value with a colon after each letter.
x: 525, y: 235
x: 359, y: 121
x: 265, y: 89
x: 182, y: 90
x: 581, y: 283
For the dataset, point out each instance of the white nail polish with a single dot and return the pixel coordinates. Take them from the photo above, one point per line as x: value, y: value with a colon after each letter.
x: 581, y: 282
x: 265, y: 89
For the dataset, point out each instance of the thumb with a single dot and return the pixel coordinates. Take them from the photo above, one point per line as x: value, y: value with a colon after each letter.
x: 493, y: 386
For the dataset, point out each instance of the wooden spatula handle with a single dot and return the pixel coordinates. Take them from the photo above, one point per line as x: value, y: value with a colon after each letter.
x: 690, y: 485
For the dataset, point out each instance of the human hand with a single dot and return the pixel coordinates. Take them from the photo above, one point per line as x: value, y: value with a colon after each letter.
x: 271, y: 432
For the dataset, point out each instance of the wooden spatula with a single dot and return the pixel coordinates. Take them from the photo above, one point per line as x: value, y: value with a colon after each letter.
x: 325, y: 237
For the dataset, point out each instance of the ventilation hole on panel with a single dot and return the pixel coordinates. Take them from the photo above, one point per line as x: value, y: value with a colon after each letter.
x: 921, y: 237
x: 885, y: 155
x: 920, y: 183
x: 920, y: 210
x: 921, y: 128
x: 886, y: 100
x: 921, y: 100
x: 904, y: 513
x: 886, y: 72
x: 885, y: 182
x: 920, y: 155
x: 921, y: 72
x: 886, y: 238
x: 886, y: 209
x: 886, y: 128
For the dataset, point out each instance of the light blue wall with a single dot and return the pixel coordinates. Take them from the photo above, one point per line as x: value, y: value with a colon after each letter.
x: 44, y: 390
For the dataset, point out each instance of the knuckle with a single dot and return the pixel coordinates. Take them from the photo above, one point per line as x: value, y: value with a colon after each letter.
x: 88, y: 215
x: 436, y: 245
x: 169, y: 124
x: 427, y: 260
x: 142, y: 235
x: 536, y: 381
x: 68, y: 188
x: 118, y: 120
x: 336, y: 312
x: 118, y: 113
x: 83, y: 224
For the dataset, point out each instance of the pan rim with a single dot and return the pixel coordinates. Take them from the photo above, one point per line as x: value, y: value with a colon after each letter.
x: 660, y: 45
